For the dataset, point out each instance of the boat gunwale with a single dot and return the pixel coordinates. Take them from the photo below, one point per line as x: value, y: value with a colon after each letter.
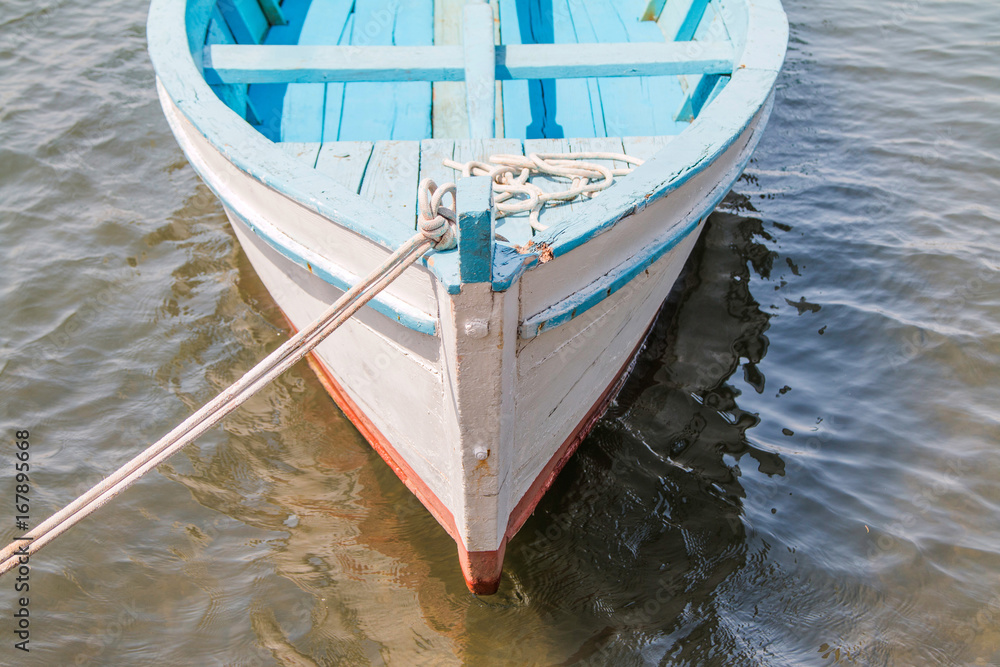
x: 171, y: 32
x: 618, y: 276
x: 285, y: 244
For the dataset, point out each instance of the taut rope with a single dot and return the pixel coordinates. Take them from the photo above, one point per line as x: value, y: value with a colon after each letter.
x: 515, y: 193
x: 510, y: 175
x: 436, y: 230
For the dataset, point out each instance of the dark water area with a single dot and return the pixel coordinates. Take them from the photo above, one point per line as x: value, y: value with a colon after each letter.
x: 803, y: 468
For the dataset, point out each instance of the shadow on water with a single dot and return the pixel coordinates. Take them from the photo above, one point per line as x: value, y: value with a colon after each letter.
x: 632, y: 542
x: 644, y: 523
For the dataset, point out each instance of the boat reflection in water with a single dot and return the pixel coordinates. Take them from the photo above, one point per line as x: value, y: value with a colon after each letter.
x: 642, y: 536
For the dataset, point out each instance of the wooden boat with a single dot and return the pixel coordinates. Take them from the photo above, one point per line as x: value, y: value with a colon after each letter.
x: 478, y: 372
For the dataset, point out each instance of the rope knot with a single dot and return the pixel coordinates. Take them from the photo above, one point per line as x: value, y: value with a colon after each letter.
x: 516, y: 194
x: 437, y: 222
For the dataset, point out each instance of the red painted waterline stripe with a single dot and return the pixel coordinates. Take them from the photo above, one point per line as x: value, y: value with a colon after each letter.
x: 481, y: 569
x: 388, y: 453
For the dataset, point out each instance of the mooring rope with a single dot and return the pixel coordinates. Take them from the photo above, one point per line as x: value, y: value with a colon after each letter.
x: 515, y: 193
x: 436, y: 230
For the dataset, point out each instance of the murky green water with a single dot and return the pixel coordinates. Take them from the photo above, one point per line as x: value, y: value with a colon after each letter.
x: 803, y: 468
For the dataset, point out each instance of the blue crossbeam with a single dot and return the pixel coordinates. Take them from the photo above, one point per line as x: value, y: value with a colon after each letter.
x: 226, y: 63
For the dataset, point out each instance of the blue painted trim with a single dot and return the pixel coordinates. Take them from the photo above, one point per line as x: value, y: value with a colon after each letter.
x: 235, y: 96
x: 197, y: 19
x: 716, y: 89
x: 698, y: 98
x: 272, y: 11
x: 299, y: 255
x: 581, y: 302
x: 444, y: 265
x: 246, y: 20
x: 476, y: 227
x: 687, y: 29
x: 593, y: 294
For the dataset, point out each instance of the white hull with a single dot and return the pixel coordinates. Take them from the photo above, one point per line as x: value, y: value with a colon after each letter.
x: 430, y: 403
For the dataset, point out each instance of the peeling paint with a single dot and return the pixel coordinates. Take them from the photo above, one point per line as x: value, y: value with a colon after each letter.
x: 542, y: 250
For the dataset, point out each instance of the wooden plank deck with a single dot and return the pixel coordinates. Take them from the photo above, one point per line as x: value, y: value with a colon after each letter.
x: 607, y: 106
x: 449, y: 116
x: 304, y: 104
x: 544, y: 108
x: 433, y: 152
x: 479, y: 56
x: 398, y: 111
x: 644, y: 147
x: 388, y: 172
x: 346, y: 161
x: 269, y: 99
x: 631, y: 106
x: 391, y: 180
x: 305, y: 151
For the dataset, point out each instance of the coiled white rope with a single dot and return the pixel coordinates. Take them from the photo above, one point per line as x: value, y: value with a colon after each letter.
x: 436, y: 230
x: 437, y: 222
x: 515, y: 193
